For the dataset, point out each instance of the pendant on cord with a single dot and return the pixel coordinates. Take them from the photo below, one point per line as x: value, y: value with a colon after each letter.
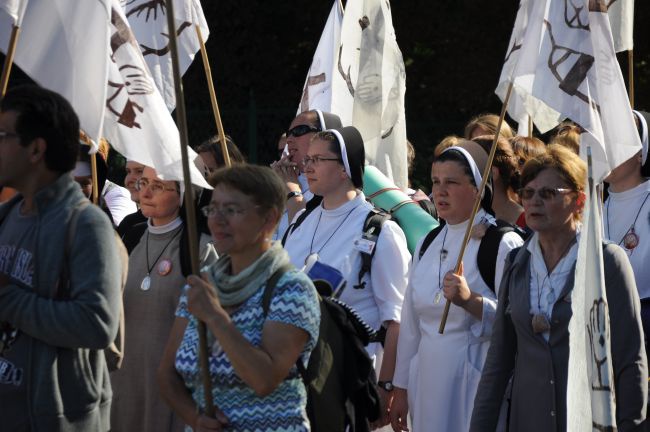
x: 146, y: 283
x: 631, y: 239
x: 540, y: 323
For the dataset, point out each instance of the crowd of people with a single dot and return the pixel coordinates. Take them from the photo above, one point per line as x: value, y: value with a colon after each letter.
x: 100, y: 311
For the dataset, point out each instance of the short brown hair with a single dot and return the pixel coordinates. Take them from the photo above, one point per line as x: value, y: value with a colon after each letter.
x: 567, y: 134
x: 261, y: 183
x: 504, y: 160
x: 526, y: 148
x: 568, y: 164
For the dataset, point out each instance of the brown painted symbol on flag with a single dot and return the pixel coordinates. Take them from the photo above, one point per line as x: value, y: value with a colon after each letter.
x: 311, y: 81
x: 122, y: 35
x: 160, y: 52
x: 150, y: 7
x: 345, y: 76
x: 598, y: 336
x: 579, y: 18
x: 136, y: 83
x: 570, y: 84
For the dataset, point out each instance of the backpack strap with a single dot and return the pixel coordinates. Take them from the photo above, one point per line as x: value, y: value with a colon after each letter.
x: 71, y: 231
x: 270, y: 286
x: 486, y: 258
x: 309, y: 207
x: 430, y: 237
x: 371, y: 230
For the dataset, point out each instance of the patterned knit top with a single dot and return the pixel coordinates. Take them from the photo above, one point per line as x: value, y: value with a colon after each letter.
x: 294, y: 302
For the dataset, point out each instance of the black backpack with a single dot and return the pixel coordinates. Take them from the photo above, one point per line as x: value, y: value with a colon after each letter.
x: 486, y: 257
x: 340, y: 379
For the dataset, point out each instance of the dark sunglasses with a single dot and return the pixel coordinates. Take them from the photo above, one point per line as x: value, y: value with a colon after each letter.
x: 301, y: 130
x: 544, y: 193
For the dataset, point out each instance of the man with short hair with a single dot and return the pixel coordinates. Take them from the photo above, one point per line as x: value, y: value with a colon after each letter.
x: 59, y: 274
x: 290, y: 166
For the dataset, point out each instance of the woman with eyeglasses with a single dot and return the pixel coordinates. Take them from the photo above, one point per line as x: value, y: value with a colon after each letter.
x: 437, y: 374
x: 333, y: 234
x: 253, y: 348
x: 530, y: 339
x: 151, y: 294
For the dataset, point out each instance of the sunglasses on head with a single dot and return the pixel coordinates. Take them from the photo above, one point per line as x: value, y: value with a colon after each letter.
x: 544, y: 193
x: 301, y: 130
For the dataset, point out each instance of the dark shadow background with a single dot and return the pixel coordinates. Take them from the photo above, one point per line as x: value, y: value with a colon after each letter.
x: 260, y: 52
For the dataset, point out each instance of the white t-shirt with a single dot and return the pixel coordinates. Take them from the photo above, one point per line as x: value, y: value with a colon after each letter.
x: 118, y: 200
x: 619, y: 213
x: 331, y: 234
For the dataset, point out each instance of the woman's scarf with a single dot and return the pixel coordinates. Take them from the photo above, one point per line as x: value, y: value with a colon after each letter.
x: 236, y: 289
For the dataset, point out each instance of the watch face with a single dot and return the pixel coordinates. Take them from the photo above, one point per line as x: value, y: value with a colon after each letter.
x: 386, y: 385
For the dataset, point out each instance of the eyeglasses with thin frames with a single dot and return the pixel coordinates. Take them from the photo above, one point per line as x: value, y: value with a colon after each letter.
x: 228, y: 211
x: 5, y: 135
x: 544, y: 193
x: 156, y: 188
x: 316, y: 159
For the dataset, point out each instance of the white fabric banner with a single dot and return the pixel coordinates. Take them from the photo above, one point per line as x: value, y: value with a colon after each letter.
x: 138, y: 123
x: 148, y: 20
x: 591, y: 401
x: 57, y: 50
x: 317, y: 91
x: 567, y: 64
x: 15, y: 9
x: 621, y: 17
x: 369, y: 85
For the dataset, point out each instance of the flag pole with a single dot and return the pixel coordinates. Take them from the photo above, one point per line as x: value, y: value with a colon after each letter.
x: 630, y: 72
x: 9, y: 60
x: 181, y: 120
x: 530, y: 126
x: 213, y: 98
x: 341, y: 6
x: 93, y: 171
x: 477, y: 203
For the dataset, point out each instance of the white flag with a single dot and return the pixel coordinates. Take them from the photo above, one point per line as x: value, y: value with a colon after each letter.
x: 15, y: 9
x: 567, y: 63
x: 317, y: 91
x: 369, y: 85
x: 148, y: 20
x: 621, y: 17
x: 63, y: 46
x: 138, y: 123
x: 591, y: 401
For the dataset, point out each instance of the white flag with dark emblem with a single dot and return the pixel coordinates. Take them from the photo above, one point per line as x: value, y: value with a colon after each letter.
x: 591, y: 402
x: 138, y: 123
x: 15, y: 9
x: 148, y: 20
x: 63, y: 46
x: 317, y: 91
x: 369, y: 85
x: 621, y: 17
x: 567, y: 64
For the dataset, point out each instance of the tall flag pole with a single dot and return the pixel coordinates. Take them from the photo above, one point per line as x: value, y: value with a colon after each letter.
x: 213, y: 98
x: 181, y: 119
x: 621, y: 18
x: 15, y: 9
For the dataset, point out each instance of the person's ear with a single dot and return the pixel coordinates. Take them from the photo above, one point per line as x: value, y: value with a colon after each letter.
x: 38, y: 148
x: 580, y: 200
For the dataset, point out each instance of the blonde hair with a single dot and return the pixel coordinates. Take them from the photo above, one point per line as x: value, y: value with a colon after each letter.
x: 526, y: 148
x: 568, y: 135
x: 448, y: 141
x: 488, y: 122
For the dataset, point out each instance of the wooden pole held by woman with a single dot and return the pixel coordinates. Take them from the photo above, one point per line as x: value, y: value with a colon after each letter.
x: 477, y: 203
x: 630, y: 72
x: 181, y: 121
x: 95, y: 179
x: 213, y: 98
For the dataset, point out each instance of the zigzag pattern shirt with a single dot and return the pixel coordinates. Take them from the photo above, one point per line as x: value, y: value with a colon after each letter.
x: 294, y: 302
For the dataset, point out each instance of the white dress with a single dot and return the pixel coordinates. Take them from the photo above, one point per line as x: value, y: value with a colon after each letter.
x: 441, y: 372
x: 331, y: 234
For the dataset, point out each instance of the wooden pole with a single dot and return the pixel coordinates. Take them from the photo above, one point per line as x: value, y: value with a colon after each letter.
x: 93, y: 171
x: 9, y: 60
x: 630, y: 72
x: 181, y: 120
x: 530, y: 126
x: 477, y: 203
x: 341, y: 6
x: 213, y: 98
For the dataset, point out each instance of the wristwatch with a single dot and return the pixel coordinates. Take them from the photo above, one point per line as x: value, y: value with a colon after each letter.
x: 293, y: 194
x: 386, y: 385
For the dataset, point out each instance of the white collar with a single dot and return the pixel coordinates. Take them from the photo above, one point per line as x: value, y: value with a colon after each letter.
x: 162, y: 229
